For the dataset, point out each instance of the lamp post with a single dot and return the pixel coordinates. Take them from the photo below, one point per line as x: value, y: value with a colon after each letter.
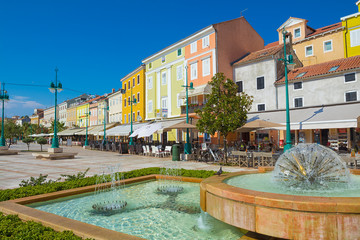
x: 288, y: 60
x: 55, y: 88
x: 3, y: 97
x: 86, y: 128
x: 131, y: 102
x: 187, y: 149
x: 106, y: 108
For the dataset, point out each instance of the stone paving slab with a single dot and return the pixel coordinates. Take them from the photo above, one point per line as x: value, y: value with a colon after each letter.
x: 15, y: 168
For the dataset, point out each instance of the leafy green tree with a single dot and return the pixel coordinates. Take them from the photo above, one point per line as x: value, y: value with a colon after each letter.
x: 28, y: 140
x: 60, y: 126
x: 11, y: 130
x: 226, y: 110
x: 41, y: 141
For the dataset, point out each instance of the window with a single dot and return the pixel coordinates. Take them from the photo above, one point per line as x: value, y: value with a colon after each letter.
x: 260, y: 83
x: 163, y: 59
x: 205, y: 42
x: 138, y: 97
x: 301, y: 74
x: 150, y: 82
x: 261, y: 107
x: 206, y: 66
x: 298, y: 102
x: 193, y: 47
x: 138, y: 115
x: 133, y: 117
x: 179, y: 100
x: 125, y: 87
x: 133, y: 82
x: 129, y: 85
x: 297, y: 85
x: 179, y: 72
x: 297, y: 33
x: 129, y: 118
x: 129, y: 101
x: 351, y: 96
x: 138, y: 79
x: 308, y: 51
x: 194, y: 100
x: 334, y: 68
x: 150, y: 66
x: 179, y: 52
x: 328, y: 46
x: 150, y: 106
x: 193, y: 70
x: 164, y: 102
x: 163, y: 78
x: 239, y: 86
x: 125, y: 102
x: 124, y: 118
x: 350, y: 77
x: 355, y: 38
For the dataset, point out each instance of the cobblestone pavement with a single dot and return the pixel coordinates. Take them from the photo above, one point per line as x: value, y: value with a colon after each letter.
x: 14, y: 168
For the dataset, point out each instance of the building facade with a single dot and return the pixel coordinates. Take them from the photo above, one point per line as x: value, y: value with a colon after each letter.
x: 115, y: 106
x: 314, y: 46
x: 351, y: 33
x: 133, y: 85
x: 103, y: 110
x: 62, y: 112
x: 49, y: 116
x: 82, y: 113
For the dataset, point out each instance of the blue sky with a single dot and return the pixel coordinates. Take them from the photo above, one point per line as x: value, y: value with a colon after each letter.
x: 95, y: 43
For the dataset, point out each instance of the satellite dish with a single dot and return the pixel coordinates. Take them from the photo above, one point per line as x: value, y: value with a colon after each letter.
x: 138, y: 118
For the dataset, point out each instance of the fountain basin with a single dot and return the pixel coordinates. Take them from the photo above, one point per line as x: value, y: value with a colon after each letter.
x: 280, y: 215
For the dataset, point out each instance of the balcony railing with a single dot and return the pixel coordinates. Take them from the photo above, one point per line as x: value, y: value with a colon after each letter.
x: 192, y: 108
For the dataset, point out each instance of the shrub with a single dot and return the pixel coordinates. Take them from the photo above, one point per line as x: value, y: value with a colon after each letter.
x: 28, y: 140
x: 41, y: 141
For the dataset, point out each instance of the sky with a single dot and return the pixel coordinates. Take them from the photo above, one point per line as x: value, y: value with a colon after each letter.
x: 96, y: 43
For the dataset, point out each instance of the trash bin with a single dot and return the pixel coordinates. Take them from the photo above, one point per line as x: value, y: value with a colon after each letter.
x: 176, y: 152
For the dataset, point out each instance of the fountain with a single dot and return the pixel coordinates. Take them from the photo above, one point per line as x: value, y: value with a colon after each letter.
x: 309, y: 195
x: 168, y: 182
x: 110, y: 202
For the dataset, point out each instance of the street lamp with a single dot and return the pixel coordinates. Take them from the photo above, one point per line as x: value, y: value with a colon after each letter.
x: 55, y: 88
x: 3, y: 97
x: 105, y: 108
x: 187, y: 149
x: 288, y: 60
x: 86, y: 127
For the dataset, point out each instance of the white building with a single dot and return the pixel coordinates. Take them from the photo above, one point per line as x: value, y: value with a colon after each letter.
x: 62, y: 112
x: 49, y: 116
x: 115, y: 106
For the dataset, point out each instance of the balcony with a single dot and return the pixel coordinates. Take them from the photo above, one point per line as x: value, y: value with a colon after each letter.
x: 192, y: 108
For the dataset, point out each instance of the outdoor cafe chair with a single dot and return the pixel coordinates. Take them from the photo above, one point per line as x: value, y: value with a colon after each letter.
x: 167, y: 150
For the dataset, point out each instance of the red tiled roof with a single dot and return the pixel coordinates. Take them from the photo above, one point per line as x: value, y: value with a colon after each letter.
x: 261, y: 54
x: 323, y: 68
x: 325, y: 29
x: 273, y: 44
x: 94, y: 99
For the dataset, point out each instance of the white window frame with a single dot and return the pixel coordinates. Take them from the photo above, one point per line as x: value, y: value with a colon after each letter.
x: 205, y: 41
x: 203, y: 66
x: 163, y: 59
x: 193, y: 76
x: 350, y: 81
x: 179, y: 100
x: 164, y: 100
x: 193, y: 47
x: 263, y: 76
x: 150, y: 82
x: 129, y: 118
x: 325, y: 51
x: 312, y: 47
x: 125, y: 118
x: 177, y: 52
x: 162, y: 78
x: 257, y: 107
x: 302, y: 98
x: 150, y: 103
x: 299, y: 31
x: 179, y: 69
x: 194, y: 100
x: 138, y: 97
x: 138, y: 79
x: 355, y: 37
x: 350, y: 91
x: 302, y: 85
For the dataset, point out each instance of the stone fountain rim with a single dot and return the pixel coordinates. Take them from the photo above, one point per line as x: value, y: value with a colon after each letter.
x: 216, y: 186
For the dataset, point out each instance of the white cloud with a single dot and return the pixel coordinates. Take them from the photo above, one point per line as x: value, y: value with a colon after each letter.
x: 19, y: 105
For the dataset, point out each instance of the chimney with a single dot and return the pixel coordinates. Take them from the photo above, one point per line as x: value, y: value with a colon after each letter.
x: 113, y: 90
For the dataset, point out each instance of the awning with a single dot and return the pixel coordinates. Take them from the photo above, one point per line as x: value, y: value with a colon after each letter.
x: 98, y: 129
x: 181, y: 125
x: 323, y: 117
x: 149, y: 130
x: 199, y: 90
x: 41, y: 135
x: 69, y: 132
x: 161, y: 126
x: 122, y: 130
x: 83, y: 130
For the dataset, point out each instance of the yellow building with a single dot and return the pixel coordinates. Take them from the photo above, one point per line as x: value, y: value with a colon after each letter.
x: 81, y: 114
x: 103, y: 111
x: 34, y: 119
x: 71, y: 116
x: 134, y: 86
x: 351, y: 33
x: 314, y: 46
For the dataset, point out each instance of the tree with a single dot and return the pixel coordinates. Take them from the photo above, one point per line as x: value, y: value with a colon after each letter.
x: 28, y: 140
x: 11, y: 130
x: 60, y: 126
x: 226, y: 110
x: 41, y: 141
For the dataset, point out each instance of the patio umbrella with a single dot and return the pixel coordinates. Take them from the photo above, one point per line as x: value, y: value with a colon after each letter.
x: 181, y: 125
x: 258, y: 124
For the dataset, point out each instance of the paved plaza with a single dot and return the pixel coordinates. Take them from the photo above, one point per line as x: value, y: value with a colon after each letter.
x: 15, y: 168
